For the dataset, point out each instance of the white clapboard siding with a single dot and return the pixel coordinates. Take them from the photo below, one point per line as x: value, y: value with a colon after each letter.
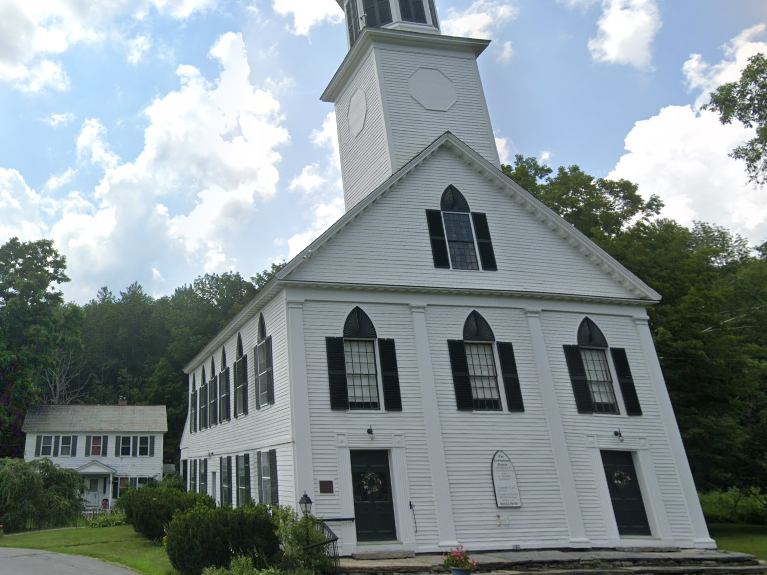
x: 365, y: 161
x: 388, y: 244
x: 326, y: 319
x: 561, y: 329
x: 412, y: 126
x: 264, y: 429
x: 123, y: 466
x: 472, y: 438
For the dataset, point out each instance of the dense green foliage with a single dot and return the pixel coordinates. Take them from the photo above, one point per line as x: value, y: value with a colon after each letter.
x: 745, y: 101
x: 150, y: 510
x: 205, y: 537
x: 746, y: 506
x: 296, y: 534
x: 38, y: 494
x: 110, y: 519
x: 244, y: 566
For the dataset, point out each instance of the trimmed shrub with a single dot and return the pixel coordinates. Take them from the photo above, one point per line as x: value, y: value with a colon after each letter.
x: 111, y: 519
x: 747, y: 506
x: 205, y: 537
x: 150, y: 510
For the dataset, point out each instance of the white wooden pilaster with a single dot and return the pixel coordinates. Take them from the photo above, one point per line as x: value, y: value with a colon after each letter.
x: 557, y: 431
x: 299, y: 403
x: 443, y: 500
x: 701, y: 537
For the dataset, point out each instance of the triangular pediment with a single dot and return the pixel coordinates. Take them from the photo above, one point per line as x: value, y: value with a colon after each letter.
x: 384, y: 241
x: 95, y: 468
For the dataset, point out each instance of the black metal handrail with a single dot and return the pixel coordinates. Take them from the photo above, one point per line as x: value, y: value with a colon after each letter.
x: 327, y: 548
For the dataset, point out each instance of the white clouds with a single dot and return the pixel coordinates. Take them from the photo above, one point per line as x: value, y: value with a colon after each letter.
x: 308, y: 180
x: 59, y: 120
x: 705, y: 78
x: 482, y: 19
x: 308, y: 13
x: 34, y: 33
x: 22, y: 208
x: 504, y: 151
x: 627, y: 29
x: 137, y: 47
x: 92, y: 148
x: 58, y: 180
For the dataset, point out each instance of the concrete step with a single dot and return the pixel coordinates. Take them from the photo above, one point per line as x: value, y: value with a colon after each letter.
x: 383, y: 555
x: 760, y: 569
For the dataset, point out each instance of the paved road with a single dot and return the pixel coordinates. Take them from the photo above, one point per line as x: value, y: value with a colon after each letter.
x: 34, y: 562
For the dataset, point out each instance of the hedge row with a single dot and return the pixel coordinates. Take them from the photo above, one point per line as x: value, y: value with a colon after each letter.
x: 735, y: 506
x: 150, y: 510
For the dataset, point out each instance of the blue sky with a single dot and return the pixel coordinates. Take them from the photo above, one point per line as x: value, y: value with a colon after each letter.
x: 157, y: 140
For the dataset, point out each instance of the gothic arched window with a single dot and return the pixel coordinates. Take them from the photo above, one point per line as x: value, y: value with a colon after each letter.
x: 213, y: 394
x: 193, y: 406
x: 203, y: 401
x: 240, y: 380
x: 352, y: 367
x: 224, y: 390
x: 264, y: 367
x: 475, y: 369
x: 457, y: 234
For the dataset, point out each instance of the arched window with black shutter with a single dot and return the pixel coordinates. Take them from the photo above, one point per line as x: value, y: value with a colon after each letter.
x: 457, y: 234
x: 193, y: 406
x: 203, y: 401
x: 475, y: 369
x: 591, y: 376
x: 224, y: 390
x: 353, y: 367
x: 264, y: 366
x: 240, y: 380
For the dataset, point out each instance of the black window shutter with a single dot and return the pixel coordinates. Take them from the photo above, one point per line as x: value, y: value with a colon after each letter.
x: 273, y: 474
x: 339, y: 393
x: 237, y: 478
x: 484, y: 243
x: 246, y: 464
x: 118, y: 444
x: 135, y: 446
x: 221, y: 461
x: 244, y: 376
x: 438, y: 241
x: 38, y: 445
x: 260, y: 478
x: 270, y: 372
x: 237, y: 379
x: 87, y: 446
x: 151, y: 447
x: 578, y: 379
x: 56, y: 445
x: 257, y: 363
x: 73, y: 451
x: 510, y: 377
x: 390, y: 375
x: 626, y: 381
x: 460, y: 366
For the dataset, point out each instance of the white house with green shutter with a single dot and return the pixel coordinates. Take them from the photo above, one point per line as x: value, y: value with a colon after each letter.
x: 114, y: 447
x: 450, y: 362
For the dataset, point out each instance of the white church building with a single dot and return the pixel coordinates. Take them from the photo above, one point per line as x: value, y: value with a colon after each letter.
x: 450, y: 362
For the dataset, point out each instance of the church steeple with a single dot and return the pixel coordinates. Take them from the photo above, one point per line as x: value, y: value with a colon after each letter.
x: 402, y: 85
x: 410, y: 15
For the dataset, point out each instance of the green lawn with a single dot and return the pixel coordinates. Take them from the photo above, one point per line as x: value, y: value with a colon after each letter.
x: 750, y: 539
x: 114, y: 544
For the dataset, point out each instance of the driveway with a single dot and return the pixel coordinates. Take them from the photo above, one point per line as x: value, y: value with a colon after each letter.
x: 34, y: 562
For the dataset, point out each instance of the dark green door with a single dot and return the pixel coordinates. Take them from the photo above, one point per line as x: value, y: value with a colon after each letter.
x: 626, y: 496
x: 373, y: 505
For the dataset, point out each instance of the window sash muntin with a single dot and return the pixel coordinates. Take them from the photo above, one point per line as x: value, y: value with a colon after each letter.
x: 483, y: 375
x: 377, y: 13
x: 361, y: 374
x: 46, y: 447
x: 243, y: 483
x: 65, y: 449
x: 600, y: 380
x: 240, y: 386
x: 460, y: 236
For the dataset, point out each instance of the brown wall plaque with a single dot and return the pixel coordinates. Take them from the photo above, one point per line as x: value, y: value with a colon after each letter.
x: 326, y: 487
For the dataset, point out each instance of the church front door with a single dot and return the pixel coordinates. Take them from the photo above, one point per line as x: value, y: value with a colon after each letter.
x: 625, y: 493
x: 373, y: 504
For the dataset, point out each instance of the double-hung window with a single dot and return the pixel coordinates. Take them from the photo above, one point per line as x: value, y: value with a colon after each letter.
x: 483, y: 376
x: 125, y: 446
x: 412, y: 11
x: 224, y: 404
x: 458, y: 235
x: 66, y: 446
x: 226, y: 480
x: 268, y: 491
x: 243, y: 480
x: 240, y: 381
x: 600, y: 380
x: 143, y: 446
x: 361, y: 374
x: 264, y: 367
x: 204, y: 476
x: 95, y: 446
x: 46, y: 448
x: 203, y: 402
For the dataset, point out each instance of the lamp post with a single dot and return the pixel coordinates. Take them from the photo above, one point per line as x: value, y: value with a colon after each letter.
x: 306, y: 507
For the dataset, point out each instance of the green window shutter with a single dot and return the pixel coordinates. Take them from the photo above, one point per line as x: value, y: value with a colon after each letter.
x: 461, y: 381
x: 73, y: 451
x: 390, y: 375
x: 151, y: 447
x: 38, y: 445
x: 626, y: 381
x: 578, y: 379
x: 484, y: 243
x: 56, y: 445
x: 246, y: 463
x: 510, y: 377
x: 339, y: 393
x: 437, y: 237
x: 118, y: 443
x: 270, y: 371
x: 104, y: 445
x: 260, y: 478
x: 273, y: 473
x: 87, y: 446
x: 135, y: 446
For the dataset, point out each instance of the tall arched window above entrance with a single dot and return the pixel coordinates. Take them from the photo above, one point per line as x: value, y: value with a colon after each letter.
x: 591, y: 375
x: 457, y: 234
x: 240, y: 380
x: 353, y: 367
x: 264, y: 367
x: 475, y: 369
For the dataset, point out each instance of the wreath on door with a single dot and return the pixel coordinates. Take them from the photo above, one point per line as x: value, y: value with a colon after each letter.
x: 621, y: 479
x: 371, y: 482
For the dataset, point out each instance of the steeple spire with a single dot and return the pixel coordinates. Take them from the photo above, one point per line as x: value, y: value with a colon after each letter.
x: 409, y: 15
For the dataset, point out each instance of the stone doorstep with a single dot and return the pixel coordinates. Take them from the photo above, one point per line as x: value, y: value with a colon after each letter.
x: 572, y: 563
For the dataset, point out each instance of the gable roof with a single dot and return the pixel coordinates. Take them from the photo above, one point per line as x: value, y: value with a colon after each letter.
x: 548, y: 217
x: 96, y: 418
